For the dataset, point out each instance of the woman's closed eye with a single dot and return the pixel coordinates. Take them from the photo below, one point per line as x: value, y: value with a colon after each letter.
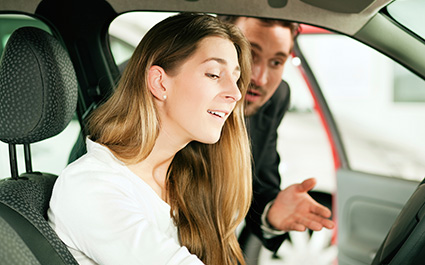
x: 212, y: 76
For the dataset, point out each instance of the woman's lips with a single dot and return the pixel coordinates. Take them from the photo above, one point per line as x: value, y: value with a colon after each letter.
x: 217, y: 113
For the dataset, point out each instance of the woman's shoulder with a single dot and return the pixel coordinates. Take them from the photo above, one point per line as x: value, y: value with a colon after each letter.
x: 98, y: 159
x: 97, y: 167
x: 100, y: 174
x: 89, y: 166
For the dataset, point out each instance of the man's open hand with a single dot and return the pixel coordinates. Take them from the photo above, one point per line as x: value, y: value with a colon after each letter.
x: 295, y: 210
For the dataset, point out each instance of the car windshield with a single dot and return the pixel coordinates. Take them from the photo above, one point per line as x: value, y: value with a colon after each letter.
x: 409, y: 13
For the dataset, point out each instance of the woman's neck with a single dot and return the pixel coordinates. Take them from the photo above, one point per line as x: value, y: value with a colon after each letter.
x: 153, y: 169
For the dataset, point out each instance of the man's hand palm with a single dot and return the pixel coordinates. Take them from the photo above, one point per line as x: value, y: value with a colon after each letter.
x: 295, y: 210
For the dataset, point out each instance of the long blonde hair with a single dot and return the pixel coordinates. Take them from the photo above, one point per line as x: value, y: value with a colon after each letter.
x: 208, y: 185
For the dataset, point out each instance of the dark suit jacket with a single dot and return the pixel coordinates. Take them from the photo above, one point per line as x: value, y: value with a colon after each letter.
x: 262, y: 129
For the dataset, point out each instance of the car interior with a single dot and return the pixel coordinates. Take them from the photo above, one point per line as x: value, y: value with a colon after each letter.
x: 39, y: 95
x: 63, y: 71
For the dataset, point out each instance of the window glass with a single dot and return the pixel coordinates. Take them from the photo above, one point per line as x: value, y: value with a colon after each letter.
x: 377, y: 104
x: 303, y: 145
x: 128, y: 29
x: 50, y: 155
x: 10, y: 22
x: 407, y: 86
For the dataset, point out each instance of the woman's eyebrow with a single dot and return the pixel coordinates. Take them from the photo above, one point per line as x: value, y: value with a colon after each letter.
x: 218, y: 60
x: 221, y: 61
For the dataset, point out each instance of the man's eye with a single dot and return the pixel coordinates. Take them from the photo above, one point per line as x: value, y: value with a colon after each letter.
x: 212, y: 76
x: 276, y: 63
x: 254, y: 56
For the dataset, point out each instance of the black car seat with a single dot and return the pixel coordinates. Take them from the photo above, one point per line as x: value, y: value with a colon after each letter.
x: 405, y: 242
x: 38, y: 95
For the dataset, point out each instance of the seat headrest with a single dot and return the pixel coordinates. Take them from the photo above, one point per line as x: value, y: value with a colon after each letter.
x: 38, y: 87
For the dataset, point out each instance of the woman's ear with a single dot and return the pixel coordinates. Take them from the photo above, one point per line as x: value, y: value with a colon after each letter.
x: 156, y: 78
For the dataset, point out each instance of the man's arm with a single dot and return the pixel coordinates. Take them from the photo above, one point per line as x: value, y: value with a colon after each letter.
x: 266, y: 179
x: 291, y: 209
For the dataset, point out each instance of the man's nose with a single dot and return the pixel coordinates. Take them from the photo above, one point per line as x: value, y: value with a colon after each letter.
x: 259, y: 75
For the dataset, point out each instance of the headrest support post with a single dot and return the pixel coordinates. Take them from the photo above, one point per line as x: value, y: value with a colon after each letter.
x: 13, y: 161
x: 27, y: 153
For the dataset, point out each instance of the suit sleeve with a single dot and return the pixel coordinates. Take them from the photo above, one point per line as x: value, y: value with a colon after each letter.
x: 266, y: 177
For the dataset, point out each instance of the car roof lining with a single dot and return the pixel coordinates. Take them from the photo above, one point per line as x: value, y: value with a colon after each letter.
x: 360, y: 25
x: 345, y: 16
x: 348, y: 23
x: 342, y: 6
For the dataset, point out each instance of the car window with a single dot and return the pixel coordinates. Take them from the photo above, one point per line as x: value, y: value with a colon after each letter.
x: 126, y: 31
x: 50, y: 155
x: 303, y: 144
x: 378, y: 105
x: 10, y: 22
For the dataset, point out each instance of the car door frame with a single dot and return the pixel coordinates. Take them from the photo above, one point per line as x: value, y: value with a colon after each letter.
x: 365, y: 204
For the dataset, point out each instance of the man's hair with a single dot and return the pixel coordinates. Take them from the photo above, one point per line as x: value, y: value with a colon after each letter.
x: 294, y: 27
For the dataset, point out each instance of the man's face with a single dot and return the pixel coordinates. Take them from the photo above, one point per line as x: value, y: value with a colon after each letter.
x: 271, y: 47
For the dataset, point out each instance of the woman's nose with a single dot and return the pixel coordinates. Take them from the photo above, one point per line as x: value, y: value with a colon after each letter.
x: 233, y: 92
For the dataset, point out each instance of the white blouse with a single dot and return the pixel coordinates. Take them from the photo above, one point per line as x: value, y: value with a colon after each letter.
x: 106, y: 214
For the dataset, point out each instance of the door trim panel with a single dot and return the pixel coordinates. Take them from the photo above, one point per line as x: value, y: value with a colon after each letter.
x: 367, y: 206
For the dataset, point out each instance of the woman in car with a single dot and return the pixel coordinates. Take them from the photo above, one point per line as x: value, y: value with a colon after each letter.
x: 167, y: 178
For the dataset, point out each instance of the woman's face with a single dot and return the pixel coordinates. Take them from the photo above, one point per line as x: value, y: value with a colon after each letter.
x: 202, y: 93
